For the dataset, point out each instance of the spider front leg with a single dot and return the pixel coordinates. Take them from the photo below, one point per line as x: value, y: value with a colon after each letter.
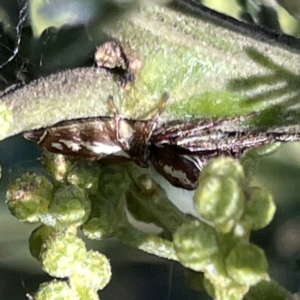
x: 151, y: 125
x: 162, y: 106
x: 123, y: 131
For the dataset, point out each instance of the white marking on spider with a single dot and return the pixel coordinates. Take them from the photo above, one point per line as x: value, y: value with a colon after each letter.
x: 42, y: 136
x: 57, y: 146
x: 196, y: 161
x: 99, y: 148
x: 177, y: 174
x: 75, y: 147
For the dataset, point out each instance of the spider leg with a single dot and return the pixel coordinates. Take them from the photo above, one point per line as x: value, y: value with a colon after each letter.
x: 116, y: 117
x: 122, y: 128
x: 153, y: 122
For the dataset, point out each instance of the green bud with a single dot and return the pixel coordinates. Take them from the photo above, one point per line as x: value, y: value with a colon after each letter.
x: 29, y: 197
x: 97, y: 228
x: 56, y: 290
x: 147, y: 185
x: 95, y: 273
x: 196, y: 245
x: 37, y: 239
x: 260, y: 209
x: 63, y: 254
x: 85, y: 174
x: 147, y: 201
x: 85, y: 292
x: 269, y: 289
x: 219, y: 200
x: 106, y: 216
x: 225, y: 167
x: 219, y: 285
x: 246, y: 264
x: 113, y: 180
x: 56, y: 164
x: 70, y: 206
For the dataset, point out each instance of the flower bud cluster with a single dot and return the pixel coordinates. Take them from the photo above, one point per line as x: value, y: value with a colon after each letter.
x: 64, y: 255
x: 219, y: 245
x: 108, y: 214
x: 84, y: 194
x: 33, y: 198
x: 61, y: 206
